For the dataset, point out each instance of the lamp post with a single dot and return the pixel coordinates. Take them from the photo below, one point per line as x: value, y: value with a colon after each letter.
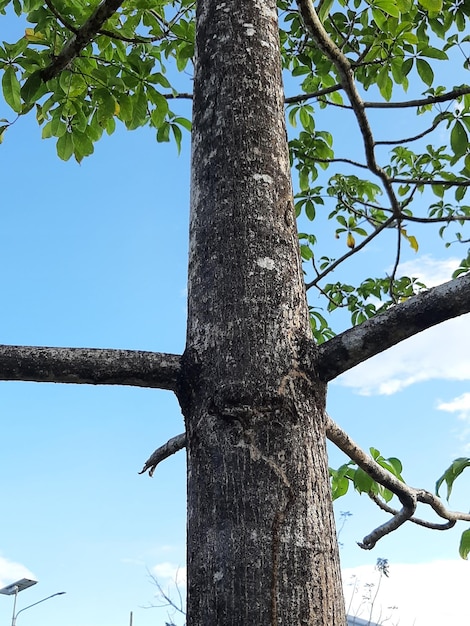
x: 18, y: 586
x: 13, y: 619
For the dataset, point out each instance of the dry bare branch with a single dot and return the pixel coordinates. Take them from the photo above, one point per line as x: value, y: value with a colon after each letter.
x: 408, y: 496
x: 397, y: 323
x: 173, y: 445
x: 90, y: 366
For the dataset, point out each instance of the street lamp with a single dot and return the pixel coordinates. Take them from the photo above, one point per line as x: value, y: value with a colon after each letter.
x: 15, y: 588
x: 13, y: 619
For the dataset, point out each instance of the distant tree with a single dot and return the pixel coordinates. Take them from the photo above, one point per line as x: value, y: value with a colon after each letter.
x: 252, y: 380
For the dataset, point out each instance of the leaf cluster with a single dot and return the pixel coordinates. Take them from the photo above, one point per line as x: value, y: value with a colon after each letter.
x: 391, y: 48
x: 120, y: 76
x: 350, y: 473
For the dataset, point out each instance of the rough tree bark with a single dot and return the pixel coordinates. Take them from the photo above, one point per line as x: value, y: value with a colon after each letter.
x: 261, y: 538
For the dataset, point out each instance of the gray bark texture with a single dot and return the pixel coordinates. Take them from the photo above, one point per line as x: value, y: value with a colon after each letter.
x: 396, y: 324
x: 92, y: 366
x: 261, y: 538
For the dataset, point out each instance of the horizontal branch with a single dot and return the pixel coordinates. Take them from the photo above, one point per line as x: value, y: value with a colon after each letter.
x: 92, y: 366
x: 316, y: 94
x: 420, y: 102
x: 397, y: 323
x: 431, y: 181
x: 81, y: 38
x: 420, y: 135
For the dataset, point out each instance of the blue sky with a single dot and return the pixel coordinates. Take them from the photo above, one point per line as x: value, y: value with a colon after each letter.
x: 95, y: 255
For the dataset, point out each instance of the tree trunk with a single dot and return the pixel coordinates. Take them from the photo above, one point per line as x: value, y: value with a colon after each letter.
x: 261, y: 539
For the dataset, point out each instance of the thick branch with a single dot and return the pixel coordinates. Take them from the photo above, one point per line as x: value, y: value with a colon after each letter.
x: 81, y: 38
x: 408, y: 496
x: 400, y: 322
x: 90, y: 366
x: 173, y: 445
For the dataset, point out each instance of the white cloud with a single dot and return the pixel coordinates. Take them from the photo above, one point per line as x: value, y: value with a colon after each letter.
x: 442, y: 352
x: 460, y: 405
x: 11, y: 571
x: 438, y: 353
x: 169, y: 572
x: 424, y: 594
x: 430, y: 271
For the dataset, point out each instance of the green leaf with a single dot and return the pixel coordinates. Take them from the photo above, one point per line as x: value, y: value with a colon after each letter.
x: 325, y: 8
x: 177, y: 134
x: 464, y: 547
x: 452, y: 473
x: 65, y: 146
x: 459, y: 139
x: 31, y: 88
x: 432, y: 6
x: 434, y: 53
x: 159, y: 114
x: 82, y: 145
x: 11, y: 89
x: 362, y: 481
x: 425, y: 71
x: 379, y: 18
x: 388, y: 6
x: 163, y: 133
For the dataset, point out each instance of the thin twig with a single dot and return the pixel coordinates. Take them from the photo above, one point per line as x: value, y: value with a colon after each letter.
x: 397, y: 142
x: 316, y: 94
x: 363, y: 243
